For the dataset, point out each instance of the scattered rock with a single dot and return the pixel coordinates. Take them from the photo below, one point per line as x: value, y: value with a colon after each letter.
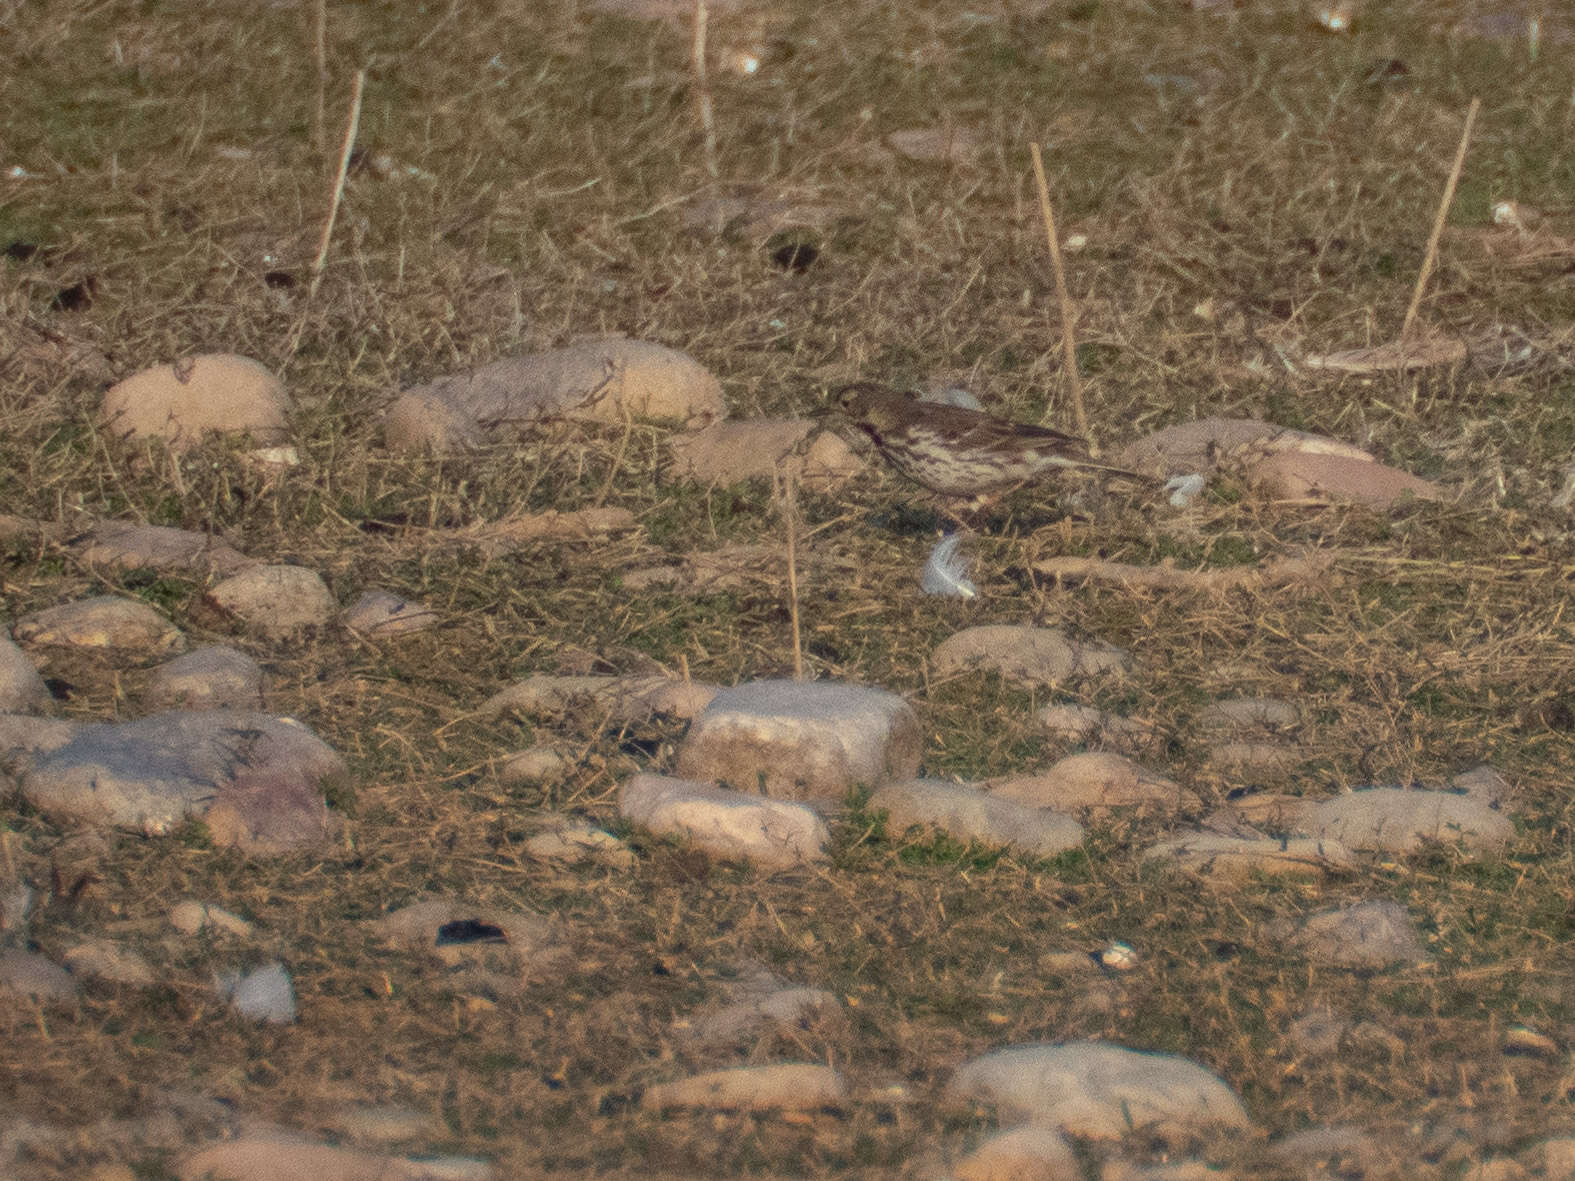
x: 1202, y: 445
x: 784, y: 1087
x: 1084, y: 723
x: 1299, y: 476
x: 214, y: 676
x: 104, y: 960
x: 106, y: 621
x: 1250, y: 713
x: 190, y: 916
x: 214, y: 392
x: 254, y: 779
x: 22, y: 690
x: 1319, y: 1030
x: 1235, y: 859
x: 1026, y: 655
x: 619, y: 699
x: 28, y: 974
x: 1098, y: 1090
x: 771, y: 833
x: 1373, y: 934
x: 377, y: 613
x: 1021, y: 1154
x: 125, y: 545
x: 1399, y: 821
x: 968, y: 814
x: 728, y: 452
x: 540, y: 764
x: 266, y: 994
x: 282, y: 1157
x: 278, y: 602
x: 1098, y: 779
x: 802, y: 739
x: 938, y: 145
x: 574, y: 841
x: 607, y: 380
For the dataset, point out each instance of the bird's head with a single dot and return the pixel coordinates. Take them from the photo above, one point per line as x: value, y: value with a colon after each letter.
x: 866, y: 405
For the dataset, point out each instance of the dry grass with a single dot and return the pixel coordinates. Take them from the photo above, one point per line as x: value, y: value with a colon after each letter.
x: 556, y: 148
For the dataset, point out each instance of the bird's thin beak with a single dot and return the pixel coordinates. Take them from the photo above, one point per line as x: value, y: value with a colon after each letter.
x: 825, y: 410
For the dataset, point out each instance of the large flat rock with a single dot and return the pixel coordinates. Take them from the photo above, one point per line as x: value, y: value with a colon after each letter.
x: 256, y: 780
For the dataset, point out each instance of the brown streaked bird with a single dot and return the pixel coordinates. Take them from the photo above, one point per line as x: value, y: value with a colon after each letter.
x: 959, y: 452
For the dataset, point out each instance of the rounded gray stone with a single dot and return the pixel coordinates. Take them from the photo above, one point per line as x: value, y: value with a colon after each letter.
x: 22, y: 690
x: 279, y: 602
x: 104, y: 621
x: 1395, y: 820
x: 968, y: 814
x: 211, y: 677
x: 1099, y: 1090
x: 729, y: 824
x: 802, y: 739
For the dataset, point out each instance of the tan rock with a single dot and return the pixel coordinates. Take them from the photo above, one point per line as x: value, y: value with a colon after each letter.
x: 967, y: 814
x: 125, y: 545
x: 107, y: 960
x: 775, y: 834
x: 1021, y: 1154
x: 22, y: 689
x: 1397, y: 820
x: 379, y: 613
x: 1098, y: 779
x: 278, y: 602
x: 1302, y: 476
x: 802, y: 739
x: 938, y: 145
x: 195, y: 395
x: 106, y: 621
x: 634, y: 698
x: 190, y: 916
x: 1026, y: 655
x: 1201, y: 445
x: 608, y: 380
x: 727, y: 452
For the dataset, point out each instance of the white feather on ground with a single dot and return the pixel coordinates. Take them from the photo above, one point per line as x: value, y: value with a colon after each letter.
x: 946, y: 572
x: 1185, y: 489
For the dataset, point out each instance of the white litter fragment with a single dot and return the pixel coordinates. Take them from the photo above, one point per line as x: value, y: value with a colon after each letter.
x: 1119, y: 957
x: 946, y: 572
x: 1185, y: 489
x: 263, y: 995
